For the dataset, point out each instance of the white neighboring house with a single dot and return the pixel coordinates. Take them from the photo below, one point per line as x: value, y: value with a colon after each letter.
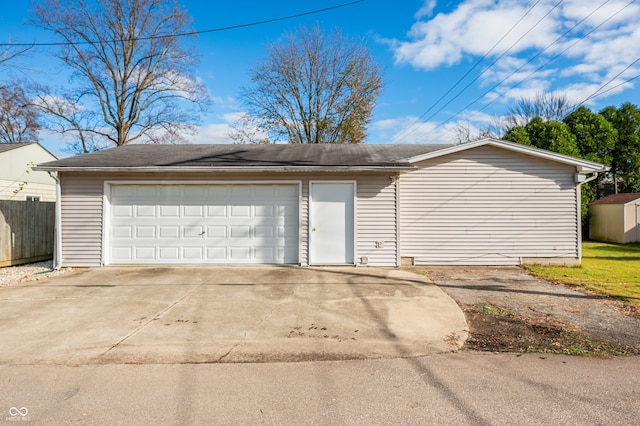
x: 17, y: 181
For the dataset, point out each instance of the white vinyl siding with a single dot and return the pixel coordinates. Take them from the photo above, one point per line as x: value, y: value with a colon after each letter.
x: 488, y: 206
x: 376, y: 219
x: 82, y: 195
x: 81, y: 209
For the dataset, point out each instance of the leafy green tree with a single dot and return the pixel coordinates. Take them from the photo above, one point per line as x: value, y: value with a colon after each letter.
x: 551, y: 135
x: 625, y: 156
x: 596, y: 139
x: 595, y: 136
x: 518, y: 134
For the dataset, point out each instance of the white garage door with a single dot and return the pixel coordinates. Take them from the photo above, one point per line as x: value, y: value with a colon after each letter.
x: 173, y: 224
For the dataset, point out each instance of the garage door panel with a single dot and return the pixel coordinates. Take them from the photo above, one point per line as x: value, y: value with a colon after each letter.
x: 264, y: 254
x: 169, y: 211
x: 264, y: 210
x: 145, y: 253
x: 192, y: 253
x: 204, y: 224
x: 191, y: 192
x: 263, y: 232
x: 122, y: 211
x: 267, y: 192
x: 145, y: 231
x: 169, y: 253
x: 217, y: 254
x: 217, y: 211
x: 240, y: 232
x: 219, y: 231
x: 287, y: 231
x: 168, y: 231
x: 145, y: 211
x: 124, y: 192
x: 193, y: 211
x: 190, y: 232
x: 216, y: 192
x: 240, y: 253
x: 121, y: 232
x: 288, y: 210
x: 240, y: 211
x: 121, y: 253
x: 240, y: 192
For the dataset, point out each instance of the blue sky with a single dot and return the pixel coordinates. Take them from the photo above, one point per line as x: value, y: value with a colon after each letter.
x: 507, y: 49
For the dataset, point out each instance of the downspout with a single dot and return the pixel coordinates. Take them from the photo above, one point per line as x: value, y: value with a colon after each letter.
x: 579, y: 210
x: 57, y: 249
x: 589, y: 179
x: 396, y: 181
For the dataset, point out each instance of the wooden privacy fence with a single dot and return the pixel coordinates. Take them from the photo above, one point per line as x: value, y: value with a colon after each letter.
x: 26, y: 231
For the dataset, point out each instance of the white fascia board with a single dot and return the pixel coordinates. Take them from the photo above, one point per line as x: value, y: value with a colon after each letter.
x: 248, y: 169
x: 581, y: 165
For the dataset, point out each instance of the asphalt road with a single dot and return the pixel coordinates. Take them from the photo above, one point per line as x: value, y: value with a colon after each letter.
x: 455, y: 388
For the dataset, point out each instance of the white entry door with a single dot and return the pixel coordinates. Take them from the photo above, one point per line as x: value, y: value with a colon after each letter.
x: 331, y: 223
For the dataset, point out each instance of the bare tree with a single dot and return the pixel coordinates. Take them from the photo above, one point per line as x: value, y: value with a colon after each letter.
x: 133, y: 81
x: 18, y: 119
x: 464, y: 133
x: 548, y: 106
x: 314, y: 87
x: 62, y: 115
x: 10, y: 52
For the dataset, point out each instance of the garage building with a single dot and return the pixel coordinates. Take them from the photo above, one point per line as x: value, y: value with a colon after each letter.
x: 487, y: 202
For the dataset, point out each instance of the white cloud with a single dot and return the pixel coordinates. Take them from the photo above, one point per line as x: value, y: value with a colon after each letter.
x: 218, y: 132
x: 410, y: 130
x: 536, y: 53
x: 426, y: 9
x: 213, y: 133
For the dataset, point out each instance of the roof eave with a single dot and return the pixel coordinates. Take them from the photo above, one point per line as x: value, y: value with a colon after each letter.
x: 245, y: 169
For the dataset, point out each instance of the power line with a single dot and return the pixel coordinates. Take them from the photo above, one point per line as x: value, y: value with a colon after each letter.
x: 529, y: 61
x: 608, y: 82
x: 470, y: 70
x: 190, y: 33
x: 484, y: 71
x: 557, y: 55
x: 611, y: 88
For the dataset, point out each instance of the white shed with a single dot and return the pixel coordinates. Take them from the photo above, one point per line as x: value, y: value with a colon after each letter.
x: 615, y: 218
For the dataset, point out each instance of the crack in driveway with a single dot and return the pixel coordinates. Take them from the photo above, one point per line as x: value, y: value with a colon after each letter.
x: 262, y: 321
x: 152, y: 318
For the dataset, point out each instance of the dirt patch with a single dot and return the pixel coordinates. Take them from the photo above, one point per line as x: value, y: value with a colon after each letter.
x: 509, y: 310
x: 497, y: 329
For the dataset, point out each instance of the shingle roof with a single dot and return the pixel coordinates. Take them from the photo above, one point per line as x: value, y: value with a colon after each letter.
x: 619, y: 198
x: 241, y: 156
x: 9, y: 146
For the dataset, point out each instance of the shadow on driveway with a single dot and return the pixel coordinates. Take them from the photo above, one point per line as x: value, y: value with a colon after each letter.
x: 226, y: 314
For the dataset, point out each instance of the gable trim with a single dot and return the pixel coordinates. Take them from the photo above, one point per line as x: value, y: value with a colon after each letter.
x: 581, y: 165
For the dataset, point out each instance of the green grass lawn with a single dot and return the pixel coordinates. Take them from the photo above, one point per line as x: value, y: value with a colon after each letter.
x: 611, y: 269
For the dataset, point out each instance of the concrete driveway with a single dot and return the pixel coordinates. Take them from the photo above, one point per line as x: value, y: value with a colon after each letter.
x: 225, y: 314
